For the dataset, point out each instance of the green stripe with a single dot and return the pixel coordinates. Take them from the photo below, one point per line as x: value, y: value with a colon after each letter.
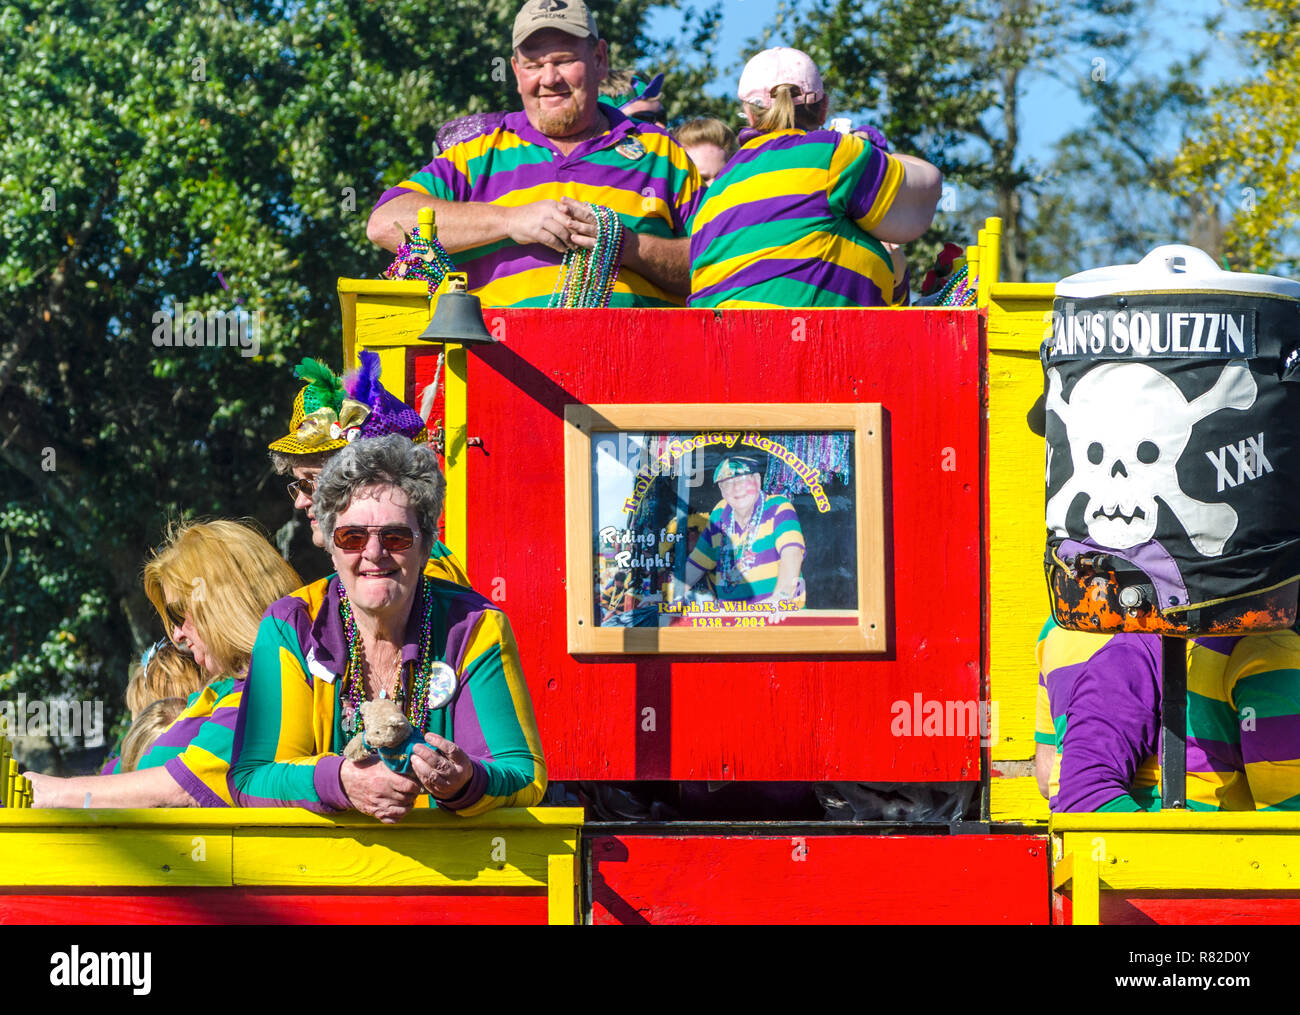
x: 1208, y: 719
x: 263, y: 704
x: 495, y: 709
x: 1271, y: 693
x: 436, y: 187
x: 813, y: 155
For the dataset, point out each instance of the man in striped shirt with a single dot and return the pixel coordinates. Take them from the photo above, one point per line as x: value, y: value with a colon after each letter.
x: 1099, y: 721
x: 752, y: 548
x: 510, y: 202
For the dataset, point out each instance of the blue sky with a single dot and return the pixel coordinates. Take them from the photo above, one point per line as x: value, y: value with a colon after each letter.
x: 1050, y: 110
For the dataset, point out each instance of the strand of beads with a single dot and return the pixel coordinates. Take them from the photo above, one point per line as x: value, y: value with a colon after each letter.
x: 416, y: 704
x: 587, y: 276
x: 958, y: 291
x: 421, y: 258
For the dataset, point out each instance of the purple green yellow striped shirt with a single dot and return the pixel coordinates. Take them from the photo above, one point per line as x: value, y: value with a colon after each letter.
x: 290, y: 728
x: 787, y: 224
x: 635, y: 168
x: 1243, y: 720
x: 196, y: 747
x: 778, y: 528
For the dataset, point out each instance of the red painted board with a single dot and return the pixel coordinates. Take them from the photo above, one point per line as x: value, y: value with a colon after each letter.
x: 820, y: 879
x: 1200, y: 908
x: 268, y: 906
x: 727, y: 717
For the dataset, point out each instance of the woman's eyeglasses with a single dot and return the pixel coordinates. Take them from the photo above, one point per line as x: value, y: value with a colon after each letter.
x: 306, y: 486
x: 392, y: 538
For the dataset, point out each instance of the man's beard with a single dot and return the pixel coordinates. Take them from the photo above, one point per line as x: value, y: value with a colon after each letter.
x: 561, y: 122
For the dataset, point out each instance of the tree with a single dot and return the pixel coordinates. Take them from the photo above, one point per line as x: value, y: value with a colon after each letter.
x: 945, y: 79
x: 168, y: 165
x: 1243, y: 157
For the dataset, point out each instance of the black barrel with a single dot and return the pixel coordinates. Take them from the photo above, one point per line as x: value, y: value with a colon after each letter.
x: 1173, y: 448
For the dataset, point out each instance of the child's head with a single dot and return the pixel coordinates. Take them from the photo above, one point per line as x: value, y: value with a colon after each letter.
x: 164, y: 672
x: 145, y: 729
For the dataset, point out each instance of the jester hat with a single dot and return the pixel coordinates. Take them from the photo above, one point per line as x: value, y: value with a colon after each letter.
x: 330, y: 413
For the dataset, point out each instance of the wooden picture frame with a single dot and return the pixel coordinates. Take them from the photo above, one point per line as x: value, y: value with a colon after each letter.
x: 687, y: 622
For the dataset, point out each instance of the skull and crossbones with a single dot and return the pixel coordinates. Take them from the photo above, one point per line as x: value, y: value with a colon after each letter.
x: 1127, y: 425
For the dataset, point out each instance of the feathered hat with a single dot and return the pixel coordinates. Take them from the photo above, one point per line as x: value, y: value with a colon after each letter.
x: 330, y: 413
x: 386, y: 413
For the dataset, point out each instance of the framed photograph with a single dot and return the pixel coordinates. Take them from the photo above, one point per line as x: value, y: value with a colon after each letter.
x: 742, y: 528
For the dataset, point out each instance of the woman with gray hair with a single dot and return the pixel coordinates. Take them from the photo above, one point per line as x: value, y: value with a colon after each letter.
x: 381, y: 629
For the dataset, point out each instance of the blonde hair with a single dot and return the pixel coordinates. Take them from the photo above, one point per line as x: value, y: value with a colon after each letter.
x: 223, y: 575
x: 706, y: 130
x: 145, y: 729
x: 784, y: 114
x: 618, y: 82
x: 169, y: 673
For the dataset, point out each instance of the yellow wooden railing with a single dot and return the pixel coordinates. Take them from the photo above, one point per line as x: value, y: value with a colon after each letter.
x: 1173, y: 851
x: 1019, y: 315
x: 15, y: 791
x: 510, y: 848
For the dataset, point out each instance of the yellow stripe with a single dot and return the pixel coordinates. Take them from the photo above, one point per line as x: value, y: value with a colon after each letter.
x: 1062, y: 647
x: 885, y: 195
x: 210, y: 770
x: 815, y: 246
x: 1271, y: 782
x: 847, y: 150
x: 1043, y: 713
x: 626, y: 202
x: 294, y: 698
x: 759, y: 187
x: 540, y: 282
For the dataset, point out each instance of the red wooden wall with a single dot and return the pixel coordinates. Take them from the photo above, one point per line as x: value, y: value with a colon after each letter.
x: 734, y: 717
x: 987, y: 879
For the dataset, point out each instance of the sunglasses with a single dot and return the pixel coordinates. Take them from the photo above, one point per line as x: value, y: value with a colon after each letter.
x: 658, y: 116
x: 355, y: 538
x: 307, y: 486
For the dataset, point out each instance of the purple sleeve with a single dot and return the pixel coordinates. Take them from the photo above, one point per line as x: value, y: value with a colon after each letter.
x: 1112, y: 723
x: 446, y: 178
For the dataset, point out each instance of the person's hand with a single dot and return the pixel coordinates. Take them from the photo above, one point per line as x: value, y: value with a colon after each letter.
x: 545, y: 222
x: 581, y: 222
x: 375, y: 789
x: 48, y: 790
x: 444, y: 770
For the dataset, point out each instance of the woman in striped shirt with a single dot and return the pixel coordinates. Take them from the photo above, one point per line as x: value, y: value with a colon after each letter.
x: 799, y: 216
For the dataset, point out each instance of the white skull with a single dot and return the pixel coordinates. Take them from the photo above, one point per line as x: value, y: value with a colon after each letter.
x: 1127, y: 425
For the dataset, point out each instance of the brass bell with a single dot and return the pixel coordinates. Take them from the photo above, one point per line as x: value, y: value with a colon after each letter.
x: 457, y: 316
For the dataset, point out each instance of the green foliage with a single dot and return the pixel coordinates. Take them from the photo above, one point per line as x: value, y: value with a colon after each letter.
x: 148, y: 146
x: 1243, y: 158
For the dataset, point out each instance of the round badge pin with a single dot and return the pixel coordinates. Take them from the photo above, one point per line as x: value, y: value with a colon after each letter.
x: 631, y: 149
x: 443, y: 683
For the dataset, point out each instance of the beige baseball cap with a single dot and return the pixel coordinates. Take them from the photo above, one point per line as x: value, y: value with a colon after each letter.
x: 569, y: 16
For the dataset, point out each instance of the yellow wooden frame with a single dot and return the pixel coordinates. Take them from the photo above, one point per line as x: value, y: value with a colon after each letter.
x: 581, y: 422
x: 1222, y: 851
x: 288, y: 847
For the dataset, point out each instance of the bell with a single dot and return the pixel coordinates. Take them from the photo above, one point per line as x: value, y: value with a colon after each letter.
x: 457, y: 316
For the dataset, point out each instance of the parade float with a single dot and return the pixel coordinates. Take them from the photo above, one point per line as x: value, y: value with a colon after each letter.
x: 579, y: 446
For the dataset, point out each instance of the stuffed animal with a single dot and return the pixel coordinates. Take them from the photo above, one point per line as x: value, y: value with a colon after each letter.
x: 385, y: 732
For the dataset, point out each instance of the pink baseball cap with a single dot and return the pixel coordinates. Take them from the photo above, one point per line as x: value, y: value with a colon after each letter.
x: 780, y: 66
